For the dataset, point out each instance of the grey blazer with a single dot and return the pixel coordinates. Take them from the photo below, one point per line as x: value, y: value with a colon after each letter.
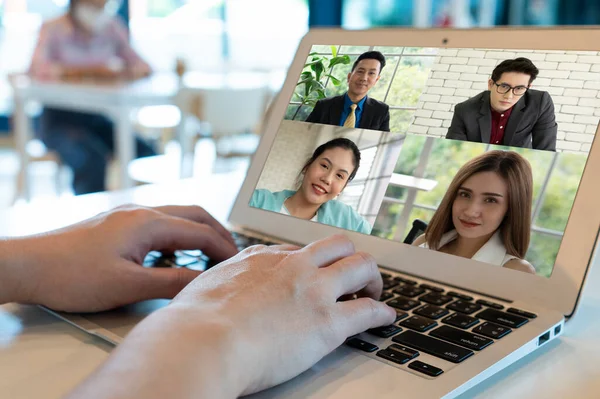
x: 532, y: 123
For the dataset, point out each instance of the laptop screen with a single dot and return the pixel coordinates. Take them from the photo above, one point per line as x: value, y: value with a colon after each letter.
x: 472, y: 152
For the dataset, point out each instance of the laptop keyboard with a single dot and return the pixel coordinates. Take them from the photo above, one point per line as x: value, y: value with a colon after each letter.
x: 446, y: 325
x: 195, y: 259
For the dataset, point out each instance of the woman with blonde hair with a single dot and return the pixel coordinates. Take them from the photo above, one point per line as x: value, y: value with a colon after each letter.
x: 486, y: 213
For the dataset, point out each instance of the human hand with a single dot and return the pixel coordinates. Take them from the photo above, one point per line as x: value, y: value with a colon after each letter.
x: 283, y: 305
x: 254, y: 321
x: 96, y: 264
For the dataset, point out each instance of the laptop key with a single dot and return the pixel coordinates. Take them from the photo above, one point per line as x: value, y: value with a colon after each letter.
x: 433, y: 346
x: 362, y: 345
x: 431, y: 311
x: 435, y: 298
x: 459, y: 295
x: 385, y: 296
x: 409, y: 291
x: 425, y: 368
x: 385, y: 331
x: 523, y: 313
x: 388, y: 283
x: 490, y: 304
x: 403, y: 303
x: 462, y: 338
x: 464, y: 307
x: 411, y: 353
x: 419, y: 323
x: 432, y: 288
x: 502, y: 318
x: 405, y: 281
x: 460, y: 320
x: 385, y: 275
x: 393, y: 356
x: 400, y: 315
x: 492, y: 330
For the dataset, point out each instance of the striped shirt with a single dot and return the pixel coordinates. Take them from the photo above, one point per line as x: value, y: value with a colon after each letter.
x: 61, y: 44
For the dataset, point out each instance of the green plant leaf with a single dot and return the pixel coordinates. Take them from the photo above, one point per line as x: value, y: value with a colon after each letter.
x: 334, y: 80
x: 333, y: 51
x: 321, y: 94
x: 312, y: 62
x: 318, y: 68
x: 308, y: 87
x: 342, y: 59
x: 309, y: 78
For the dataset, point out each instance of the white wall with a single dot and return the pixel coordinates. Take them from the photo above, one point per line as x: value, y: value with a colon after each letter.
x: 294, y: 144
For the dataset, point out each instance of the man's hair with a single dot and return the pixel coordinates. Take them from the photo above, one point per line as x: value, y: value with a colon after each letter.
x: 516, y: 172
x: 370, y: 55
x: 521, y: 65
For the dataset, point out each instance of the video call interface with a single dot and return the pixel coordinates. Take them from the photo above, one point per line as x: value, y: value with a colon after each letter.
x: 476, y: 153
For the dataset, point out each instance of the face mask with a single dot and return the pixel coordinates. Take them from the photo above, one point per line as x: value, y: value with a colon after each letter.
x: 91, y: 18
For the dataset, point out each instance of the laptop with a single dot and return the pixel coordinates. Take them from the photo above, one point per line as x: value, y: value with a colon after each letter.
x: 460, y: 319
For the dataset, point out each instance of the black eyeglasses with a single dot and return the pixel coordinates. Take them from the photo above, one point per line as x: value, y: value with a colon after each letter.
x: 503, y: 88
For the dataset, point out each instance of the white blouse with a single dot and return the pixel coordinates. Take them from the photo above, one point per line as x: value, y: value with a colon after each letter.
x: 493, y: 251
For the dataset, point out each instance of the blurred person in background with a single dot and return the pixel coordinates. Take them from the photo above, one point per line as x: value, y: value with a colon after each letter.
x: 88, y: 42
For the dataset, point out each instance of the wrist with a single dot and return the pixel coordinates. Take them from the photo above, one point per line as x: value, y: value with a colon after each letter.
x: 215, y: 370
x: 16, y: 259
x: 194, y: 345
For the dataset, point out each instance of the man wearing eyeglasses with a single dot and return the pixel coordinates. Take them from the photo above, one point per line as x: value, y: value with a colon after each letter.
x: 509, y: 112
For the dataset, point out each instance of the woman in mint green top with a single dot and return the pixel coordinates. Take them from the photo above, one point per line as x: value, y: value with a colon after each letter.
x: 324, y: 176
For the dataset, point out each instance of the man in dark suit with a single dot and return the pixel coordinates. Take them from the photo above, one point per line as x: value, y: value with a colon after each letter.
x: 354, y: 108
x: 509, y: 112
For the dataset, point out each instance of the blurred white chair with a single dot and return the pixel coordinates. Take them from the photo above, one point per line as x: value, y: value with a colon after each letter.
x: 230, y: 115
x: 224, y: 114
x: 40, y: 155
x: 158, y: 123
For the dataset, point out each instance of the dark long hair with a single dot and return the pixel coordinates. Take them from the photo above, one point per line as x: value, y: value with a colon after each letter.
x: 341, y: 142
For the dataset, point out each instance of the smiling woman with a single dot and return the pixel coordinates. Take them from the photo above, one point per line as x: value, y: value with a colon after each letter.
x: 322, y: 178
x: 486, y: 212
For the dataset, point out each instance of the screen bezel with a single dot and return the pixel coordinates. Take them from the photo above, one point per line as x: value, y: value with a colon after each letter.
x: 560, y: 291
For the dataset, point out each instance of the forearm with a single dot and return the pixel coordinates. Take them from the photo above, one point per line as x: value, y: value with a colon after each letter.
x: 16, y: 256
x: 177, y: 352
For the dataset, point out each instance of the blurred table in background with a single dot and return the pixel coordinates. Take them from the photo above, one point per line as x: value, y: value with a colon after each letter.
x: 118, y: 101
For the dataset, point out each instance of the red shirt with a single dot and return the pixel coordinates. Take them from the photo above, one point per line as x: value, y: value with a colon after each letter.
x: 499, y: 121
